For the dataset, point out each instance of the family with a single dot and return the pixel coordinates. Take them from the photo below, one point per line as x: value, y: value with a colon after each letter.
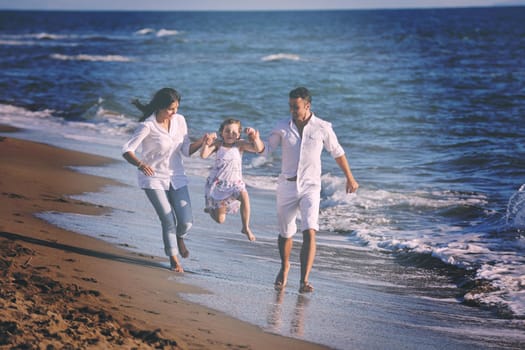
x: 162, y: 138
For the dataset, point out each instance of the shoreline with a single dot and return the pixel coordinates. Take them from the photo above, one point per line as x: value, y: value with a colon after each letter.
x: 60, y: 287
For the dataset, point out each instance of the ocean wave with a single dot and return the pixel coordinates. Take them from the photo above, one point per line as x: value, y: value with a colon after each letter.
x: 464, y: 240
x: 502, y: 269
x: 159, y: 33
x: 281, y: 57
x: 40, y: 36
x: 40, y: 39
x: 92, y: 58
x: 55, y: 39
x: 9, y: 114
x: 167, y: 32
x: 35, y: 43
x: 144, y: 31
x: 99, y: 125
x: 48, y: 36
x: 261, y: 182
x: 333, y: 194
x: 16, y: 43
x: 507, y: 286
x: 516, y: 209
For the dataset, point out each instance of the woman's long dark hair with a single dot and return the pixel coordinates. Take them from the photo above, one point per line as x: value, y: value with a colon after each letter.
x: 161, y: 100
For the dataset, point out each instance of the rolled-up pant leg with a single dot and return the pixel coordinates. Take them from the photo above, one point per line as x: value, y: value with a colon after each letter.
x: 161, y: 203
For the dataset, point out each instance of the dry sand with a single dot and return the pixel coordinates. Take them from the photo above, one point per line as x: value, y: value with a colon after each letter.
x: 63, y: 290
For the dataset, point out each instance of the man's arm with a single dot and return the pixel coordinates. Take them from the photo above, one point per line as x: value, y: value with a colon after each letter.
x: 351, y: 184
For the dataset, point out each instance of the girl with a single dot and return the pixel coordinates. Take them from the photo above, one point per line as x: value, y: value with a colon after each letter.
x: 225, y: 187
x: 163, y: 138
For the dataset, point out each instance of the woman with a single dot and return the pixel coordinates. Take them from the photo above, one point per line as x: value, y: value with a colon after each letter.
x: 163, y: 136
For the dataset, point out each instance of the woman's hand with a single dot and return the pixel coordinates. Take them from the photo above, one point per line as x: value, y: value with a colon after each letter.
x: 146, y: 169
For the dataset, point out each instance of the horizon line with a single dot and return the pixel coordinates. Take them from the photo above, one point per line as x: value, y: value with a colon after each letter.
x: 265, y: 10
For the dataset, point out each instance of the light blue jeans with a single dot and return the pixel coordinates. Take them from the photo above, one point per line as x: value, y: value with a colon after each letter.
x: 174, y: 210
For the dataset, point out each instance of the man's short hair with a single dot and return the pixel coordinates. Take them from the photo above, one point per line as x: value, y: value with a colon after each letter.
x: 301, y: 92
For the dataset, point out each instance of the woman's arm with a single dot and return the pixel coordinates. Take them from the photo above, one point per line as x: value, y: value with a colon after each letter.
x: 194, y: 146
x: 135, y: 161
x: 129, y: 148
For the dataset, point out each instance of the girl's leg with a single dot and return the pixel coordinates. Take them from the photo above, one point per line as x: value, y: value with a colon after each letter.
x: 181, y: 203
x: 218, y: 214
x: 160, y: 202
x: 245, y: 215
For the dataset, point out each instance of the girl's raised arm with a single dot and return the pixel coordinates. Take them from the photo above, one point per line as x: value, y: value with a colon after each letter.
x: 255, y: 143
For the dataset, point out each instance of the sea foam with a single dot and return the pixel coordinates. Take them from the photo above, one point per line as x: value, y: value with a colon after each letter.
x: 281, y: 57
x: 159, y: 33
x: 92, y: 58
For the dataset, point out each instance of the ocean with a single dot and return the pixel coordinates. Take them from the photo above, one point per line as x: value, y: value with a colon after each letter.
x: 428, y: 105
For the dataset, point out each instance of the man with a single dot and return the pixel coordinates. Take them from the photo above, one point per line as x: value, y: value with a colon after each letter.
x: 302, y: 139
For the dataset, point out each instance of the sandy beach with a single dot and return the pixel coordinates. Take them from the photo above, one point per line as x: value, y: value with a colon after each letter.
x: 60, y: 289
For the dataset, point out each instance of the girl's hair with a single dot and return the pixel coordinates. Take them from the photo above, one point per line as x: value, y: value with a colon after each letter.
x: 228, y: 122
x: 161, y: 100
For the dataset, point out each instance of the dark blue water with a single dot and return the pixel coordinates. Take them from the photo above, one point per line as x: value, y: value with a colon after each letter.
x: 428, y: 104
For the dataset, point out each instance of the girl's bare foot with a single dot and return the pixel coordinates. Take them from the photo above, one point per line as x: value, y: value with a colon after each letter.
x: 248, y: 233
x: 175, y: 265
x: 184, y: 252
x: 282, y: 278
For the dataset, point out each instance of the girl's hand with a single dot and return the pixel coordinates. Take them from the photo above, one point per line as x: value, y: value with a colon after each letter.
x: 210, y: 138
x: 252, y: 133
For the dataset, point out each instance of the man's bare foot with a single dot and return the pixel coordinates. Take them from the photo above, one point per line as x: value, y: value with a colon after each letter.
x: 282, y: 278
x: 184, y: 252
x: 248, y: 233
x: 175, y: 265
x: 306, y: 287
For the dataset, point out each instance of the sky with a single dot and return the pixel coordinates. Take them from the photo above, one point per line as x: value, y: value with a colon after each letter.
x: 187, y: 5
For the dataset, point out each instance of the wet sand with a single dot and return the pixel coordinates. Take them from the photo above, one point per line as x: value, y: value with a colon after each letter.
x: 60, y: 289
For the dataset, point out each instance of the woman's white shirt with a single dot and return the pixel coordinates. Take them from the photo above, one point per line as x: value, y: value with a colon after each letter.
x: 162, y: 150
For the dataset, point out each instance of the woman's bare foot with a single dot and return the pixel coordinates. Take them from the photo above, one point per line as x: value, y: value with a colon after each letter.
x: 248, y: 233
x: 282, y: 278
x: 184, y: 252
x: 175, y: 265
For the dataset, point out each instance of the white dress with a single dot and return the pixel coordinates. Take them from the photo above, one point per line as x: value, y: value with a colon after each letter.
x: 224, y: 184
